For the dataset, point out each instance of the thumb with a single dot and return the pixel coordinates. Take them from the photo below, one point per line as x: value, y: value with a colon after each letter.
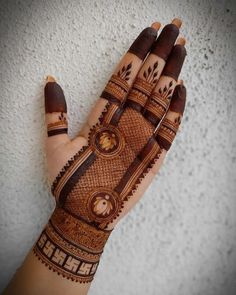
x: 56, y: 113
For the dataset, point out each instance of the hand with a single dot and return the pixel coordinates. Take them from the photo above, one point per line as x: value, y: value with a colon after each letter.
x: 98, y: 176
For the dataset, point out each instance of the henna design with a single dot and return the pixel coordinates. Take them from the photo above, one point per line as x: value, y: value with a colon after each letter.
x: 175, y: 62
x: 178, y: 120
x: 54, y: 98
x: 167, y: 132
x: 58, y: 127
x: 139, y: 94
x: 101, y: 177
x: 158, y: 103
x: 142, y: 45
x: 93, y: 187
x: 168, y: 128
x: 166, y: 91
x: 165, y: 42
x: 71, y: 247
x: 125, y: 72
x: 151, y: 73
x: 142, y: 88
x: 116, y: 89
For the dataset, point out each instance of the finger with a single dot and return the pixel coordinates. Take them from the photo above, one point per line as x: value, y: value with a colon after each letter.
x: 168, y: 128
x: 123, y: 76
x: 159, y: 100
x: 56, y: 111
x: 152, y: 68
x: 126, y: 71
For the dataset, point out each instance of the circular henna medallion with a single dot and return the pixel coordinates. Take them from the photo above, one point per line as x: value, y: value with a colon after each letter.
x: 103, y: 206
x: 108, y: 141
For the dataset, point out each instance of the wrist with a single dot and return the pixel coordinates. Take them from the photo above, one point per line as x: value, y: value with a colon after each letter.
x: 71, y: 246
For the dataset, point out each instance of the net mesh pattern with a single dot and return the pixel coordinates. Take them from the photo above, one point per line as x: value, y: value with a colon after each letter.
x: 106, y: 173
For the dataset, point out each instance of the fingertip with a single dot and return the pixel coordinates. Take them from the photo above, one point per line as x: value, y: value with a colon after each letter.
x: 181, y: 41
x: 143, y: 43
x: 54, y: 97
x: 177, y: 22
x: 50, y: 79
x: 166, y: 40
x: 178, y: 99
x: 156, y: 25
x: 180, y: 82
x: 175, y: 62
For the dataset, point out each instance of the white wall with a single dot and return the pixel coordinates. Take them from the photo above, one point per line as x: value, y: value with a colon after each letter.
x: 181, y: 238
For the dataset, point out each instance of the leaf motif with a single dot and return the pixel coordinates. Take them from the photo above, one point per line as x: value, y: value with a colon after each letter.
x: 123, y: 69
x: 145, y: 74
x: 155, y: 65
x: 178, y: 120
x: 154, y: 82
x: 169, y: 97
x: 171, y: 83
x: 165, y: 88
x: 169, y: 92
x: 155, y: 74
x: 149, y: 70
x: 129, y: 66
x: 127, y: 78
x: 160, y: 91
x: 118, y: 73
x: 127, y: 73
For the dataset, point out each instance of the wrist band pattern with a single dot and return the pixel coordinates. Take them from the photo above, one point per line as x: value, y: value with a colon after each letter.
x: 70, y: 246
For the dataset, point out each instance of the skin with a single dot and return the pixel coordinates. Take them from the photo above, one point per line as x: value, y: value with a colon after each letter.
x: 33, y: 277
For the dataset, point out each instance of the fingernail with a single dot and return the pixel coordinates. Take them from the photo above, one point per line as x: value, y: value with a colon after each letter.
x: 156, y: 26
x: 177, y: 22
x: 50, y: 79
x: 181, y: 41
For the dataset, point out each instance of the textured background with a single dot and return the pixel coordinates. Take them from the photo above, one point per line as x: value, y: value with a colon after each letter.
x: 181, y: 238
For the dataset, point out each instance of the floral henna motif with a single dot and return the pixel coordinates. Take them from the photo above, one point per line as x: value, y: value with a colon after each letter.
x: 166, y: 91
x: 151, y: 73
x: 117, y: 87
x: 143, y: 87
x: 125, y: 72
x: 58, y: 127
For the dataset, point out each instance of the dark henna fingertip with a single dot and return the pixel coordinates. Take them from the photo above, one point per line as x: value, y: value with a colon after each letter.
x: 166, y: 40
x: 54, y: 98
x: 175, y: 62
x: 142, y: 45
x: 178, y: 99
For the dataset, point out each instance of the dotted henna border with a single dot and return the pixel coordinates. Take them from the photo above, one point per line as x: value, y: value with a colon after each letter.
x: 60, y: 274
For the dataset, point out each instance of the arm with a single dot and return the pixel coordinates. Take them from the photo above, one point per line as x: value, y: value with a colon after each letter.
x: 101, y: 174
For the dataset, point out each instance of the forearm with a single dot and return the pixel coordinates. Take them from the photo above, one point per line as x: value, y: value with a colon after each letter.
x: 63, y: 260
